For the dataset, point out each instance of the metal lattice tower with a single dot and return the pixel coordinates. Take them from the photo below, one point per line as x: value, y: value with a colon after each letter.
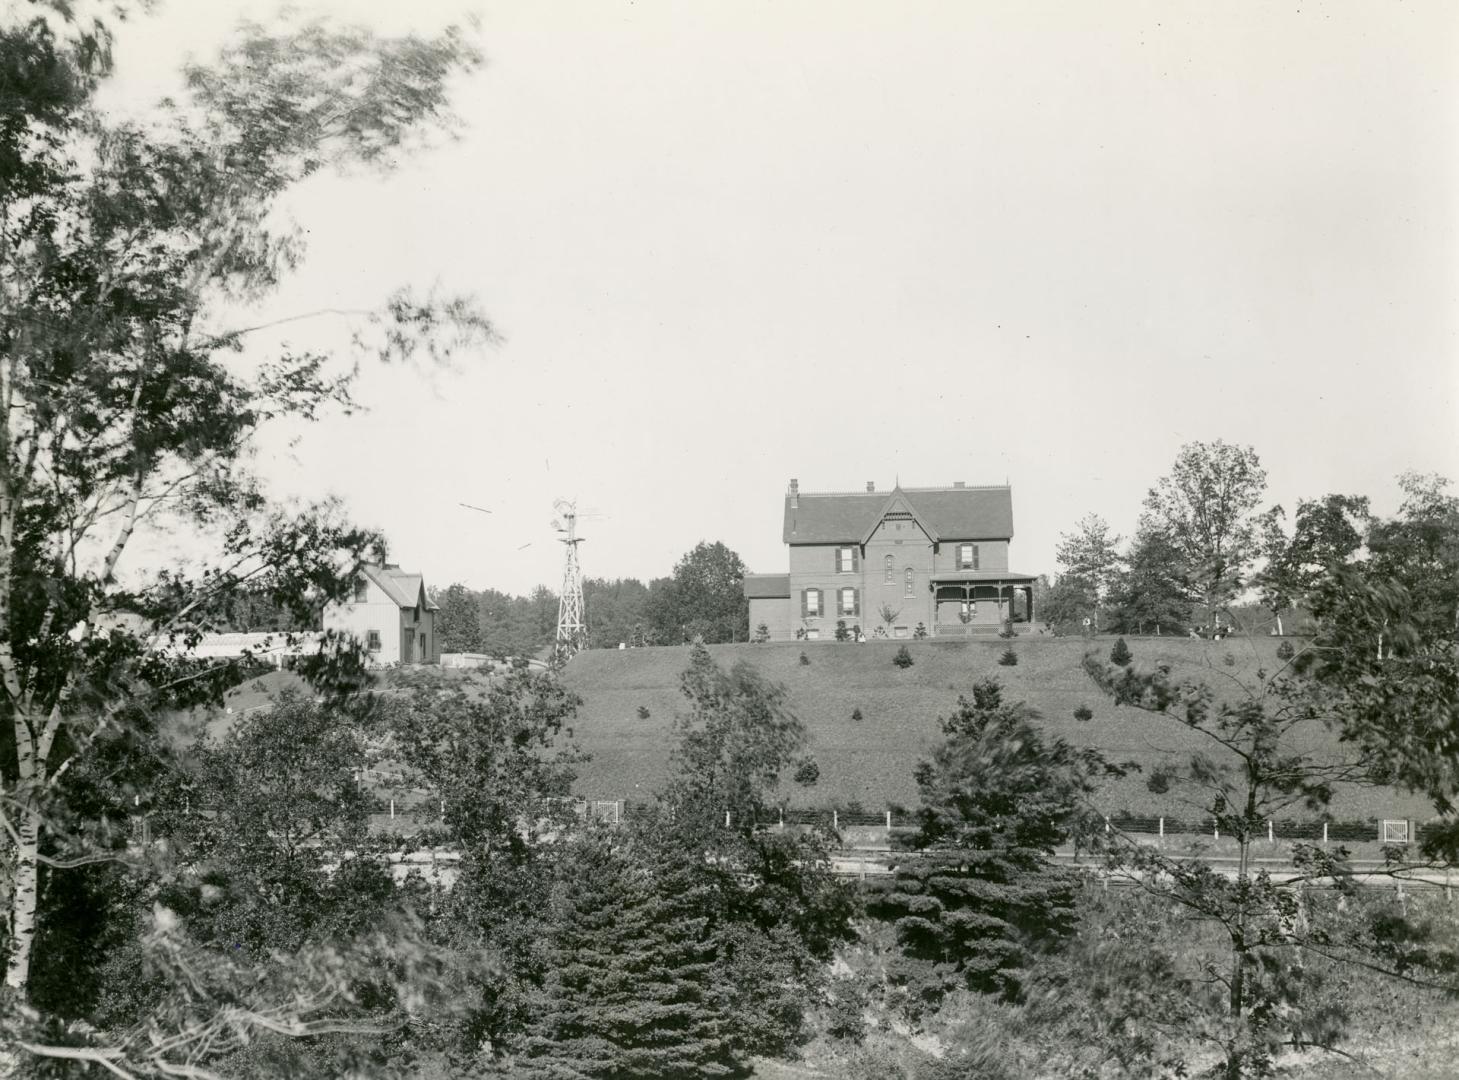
x: 572, y: 629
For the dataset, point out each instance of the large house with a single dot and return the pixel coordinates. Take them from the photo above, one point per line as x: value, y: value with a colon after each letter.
x: 390, y: 612
x: 889, y: 561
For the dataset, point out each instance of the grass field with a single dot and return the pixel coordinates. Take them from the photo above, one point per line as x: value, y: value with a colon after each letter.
x: 870, y: 762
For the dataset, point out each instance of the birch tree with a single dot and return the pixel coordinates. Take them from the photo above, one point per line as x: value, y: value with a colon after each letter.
x: 126, y: 401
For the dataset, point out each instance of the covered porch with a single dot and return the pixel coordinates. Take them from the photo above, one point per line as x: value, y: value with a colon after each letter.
x: 973, y: 603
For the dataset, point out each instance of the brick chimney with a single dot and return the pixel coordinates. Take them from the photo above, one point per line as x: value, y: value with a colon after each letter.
x: 870, y: 485
x: 795, y: 494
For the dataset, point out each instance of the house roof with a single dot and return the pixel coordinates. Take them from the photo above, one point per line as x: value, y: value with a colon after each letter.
x: 405, y: 589
x: 947, y: 513
x: 767, y: 586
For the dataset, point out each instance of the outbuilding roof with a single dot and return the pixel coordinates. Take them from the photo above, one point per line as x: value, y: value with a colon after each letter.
x: 767, y: 586
x: 405, y: 589
x: 947, y: 513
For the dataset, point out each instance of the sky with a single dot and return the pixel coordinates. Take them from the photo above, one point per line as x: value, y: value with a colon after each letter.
x: 728, y: 244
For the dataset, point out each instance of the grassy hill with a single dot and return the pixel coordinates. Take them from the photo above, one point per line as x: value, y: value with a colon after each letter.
x: 871, y: 761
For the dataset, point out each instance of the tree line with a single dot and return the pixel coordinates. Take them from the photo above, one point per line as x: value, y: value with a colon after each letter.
x: 1207, y: 553
x: 703, y: 598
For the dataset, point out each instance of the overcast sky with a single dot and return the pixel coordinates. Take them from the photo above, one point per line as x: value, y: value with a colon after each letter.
x: 731, y: 244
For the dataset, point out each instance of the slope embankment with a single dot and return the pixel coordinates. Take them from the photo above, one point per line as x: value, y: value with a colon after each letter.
x: 871, y: 761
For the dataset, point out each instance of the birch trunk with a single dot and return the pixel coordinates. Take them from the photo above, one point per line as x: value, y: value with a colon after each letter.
x: 23, y: 901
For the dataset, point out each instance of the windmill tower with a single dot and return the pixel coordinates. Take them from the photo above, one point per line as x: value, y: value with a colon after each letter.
x: 572, y: 629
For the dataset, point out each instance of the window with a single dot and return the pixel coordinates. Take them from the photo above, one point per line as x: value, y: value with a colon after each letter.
x: 372, y: 640
x: 889, y: 573
x: 813, y: 601
x: 848, y: 601
x: 967, y: 556
x: 845, y: 560
x: 911, y: 587
x: 362, y: 590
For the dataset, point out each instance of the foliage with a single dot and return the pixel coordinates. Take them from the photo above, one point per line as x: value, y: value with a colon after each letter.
x: 805, y: 660
x: 856, y: 713
x: 1259, y: 997
x: 1326, y: 534
x: 733, y: 742
x: 919, y: 632
x: 888, y: 615
x: 705, y: 598
x: 1388, y: 647
x: 1285, y: 651
x: 1119, y: 654
x: 1008, y: 658
x: 630, y: 988
x: 458, y: 626
x: 983, y: 899
x: 762, y: 634
x: 1084, y: 713
x: 1090, y: 561
x: 123, y: 406
x: 903, y: 658
x: 807, y: 772
x: 842, y: 633
x: 643, y: 712
x: 1204, y: 511
x: 1152, y: 593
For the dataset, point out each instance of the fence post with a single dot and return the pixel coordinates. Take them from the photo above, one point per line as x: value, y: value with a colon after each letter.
x: 1106, y: 824
x: 782, y: 817
x: 1324, y: 834
x: 1270, y: 836
x: 835, y: 821
x: 1215, y: 829
x: 726, y: 819
x: 1162, y: 828
x: 392, y: 808
x: 889, y: 821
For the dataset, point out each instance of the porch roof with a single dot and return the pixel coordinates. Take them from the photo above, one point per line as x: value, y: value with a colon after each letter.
x: 981, y: 577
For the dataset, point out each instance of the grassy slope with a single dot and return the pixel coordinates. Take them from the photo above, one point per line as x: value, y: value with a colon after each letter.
x: 871, y: 761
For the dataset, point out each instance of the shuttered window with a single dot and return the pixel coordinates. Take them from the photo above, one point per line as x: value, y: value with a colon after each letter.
x: 967, y: 556
x: 847, y: 560
x: 810, y: 602
x: 850, y: 601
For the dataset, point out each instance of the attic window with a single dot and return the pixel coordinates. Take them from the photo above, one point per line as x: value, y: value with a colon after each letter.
x: 362, y: 590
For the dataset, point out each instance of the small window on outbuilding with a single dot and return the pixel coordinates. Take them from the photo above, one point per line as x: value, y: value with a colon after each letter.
x: 372, y: 640
x: 362, y: 590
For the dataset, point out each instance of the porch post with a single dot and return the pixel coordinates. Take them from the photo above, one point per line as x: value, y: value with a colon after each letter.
x: 1029, y: 590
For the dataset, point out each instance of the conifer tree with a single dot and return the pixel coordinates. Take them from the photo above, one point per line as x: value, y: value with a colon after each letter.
x: 997, y: 798
x: 631, y: 986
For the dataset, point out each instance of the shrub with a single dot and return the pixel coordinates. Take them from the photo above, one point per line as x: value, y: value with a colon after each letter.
x: 845, y: 1012
x: 856, y: 713
x: 1084, y: 713
x: 805, y: 660
x: 1009, y: 657
x: 919, y: 632
x: 1285, y: 651
x: 1229, y: 659
x: 807, y: 772
x: 903, y: 659
x: 643, y: 712
x: 1120, y: 654
x: 762, y: 634
x: 842, y: 634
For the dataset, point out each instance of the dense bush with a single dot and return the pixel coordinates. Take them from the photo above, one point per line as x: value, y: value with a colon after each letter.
x: 903, y: 659
x: 1120, y: 654
x: 1009, y: 657
x: 1285, y: 651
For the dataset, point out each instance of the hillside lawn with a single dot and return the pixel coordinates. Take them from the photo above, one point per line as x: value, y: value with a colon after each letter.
x: 870, y: 762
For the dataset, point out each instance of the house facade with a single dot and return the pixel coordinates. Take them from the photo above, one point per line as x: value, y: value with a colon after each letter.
x: 889, y: 561
x: 390, y: 613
